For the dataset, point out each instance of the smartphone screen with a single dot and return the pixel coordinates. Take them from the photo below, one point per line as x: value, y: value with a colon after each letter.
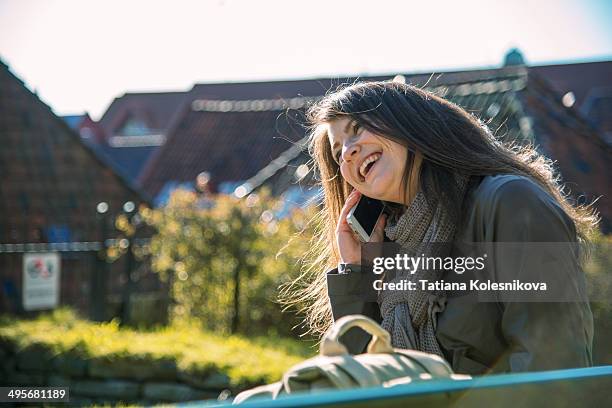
x: 367, y: 212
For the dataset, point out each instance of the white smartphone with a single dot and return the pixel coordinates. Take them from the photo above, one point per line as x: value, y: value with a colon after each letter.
x: 363, y: 217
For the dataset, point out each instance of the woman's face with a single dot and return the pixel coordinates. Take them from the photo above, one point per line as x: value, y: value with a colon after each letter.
x: 372, y: 164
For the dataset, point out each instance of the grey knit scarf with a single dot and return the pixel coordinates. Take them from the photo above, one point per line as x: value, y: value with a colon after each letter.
x: 410, y: 316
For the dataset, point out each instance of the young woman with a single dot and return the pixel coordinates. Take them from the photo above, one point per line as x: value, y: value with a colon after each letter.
x: 444, y: 178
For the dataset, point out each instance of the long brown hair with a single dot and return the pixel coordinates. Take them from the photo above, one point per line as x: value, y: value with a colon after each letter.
x: 451, y: 141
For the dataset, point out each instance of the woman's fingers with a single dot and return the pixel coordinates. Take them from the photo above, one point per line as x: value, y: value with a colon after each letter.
x: 348, y: 244
x: 351, y: 200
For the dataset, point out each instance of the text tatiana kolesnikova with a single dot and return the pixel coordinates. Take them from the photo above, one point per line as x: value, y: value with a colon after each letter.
x: 459, y: 265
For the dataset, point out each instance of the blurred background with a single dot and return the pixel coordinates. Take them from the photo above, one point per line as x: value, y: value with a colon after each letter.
x: 154, y: 171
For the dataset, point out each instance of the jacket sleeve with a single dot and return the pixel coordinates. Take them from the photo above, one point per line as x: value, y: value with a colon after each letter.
x: 346, y: 296
x: 540, y: 335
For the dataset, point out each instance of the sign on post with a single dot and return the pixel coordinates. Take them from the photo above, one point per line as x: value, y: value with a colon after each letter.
x: 41, y: 280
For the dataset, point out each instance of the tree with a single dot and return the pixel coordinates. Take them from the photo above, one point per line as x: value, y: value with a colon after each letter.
x: 226, y: 258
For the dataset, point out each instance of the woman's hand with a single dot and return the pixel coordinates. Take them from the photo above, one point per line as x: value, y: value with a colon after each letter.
x: 349, y: 245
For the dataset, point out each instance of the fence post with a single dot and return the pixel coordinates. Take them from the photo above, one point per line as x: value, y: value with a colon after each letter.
x: 99, y: 277
x: 126, y: 296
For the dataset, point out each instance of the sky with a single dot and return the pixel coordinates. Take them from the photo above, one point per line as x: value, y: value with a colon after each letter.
x: 78, y: 55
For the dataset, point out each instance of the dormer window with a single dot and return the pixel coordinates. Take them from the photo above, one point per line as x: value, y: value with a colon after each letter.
x: 134, y: 127
x: 134, y: 132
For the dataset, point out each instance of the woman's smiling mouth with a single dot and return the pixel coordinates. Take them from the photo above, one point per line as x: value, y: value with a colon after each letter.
x: 367, y: 164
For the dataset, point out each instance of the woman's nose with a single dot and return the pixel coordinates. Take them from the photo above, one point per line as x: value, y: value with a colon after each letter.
x: 350, y: 152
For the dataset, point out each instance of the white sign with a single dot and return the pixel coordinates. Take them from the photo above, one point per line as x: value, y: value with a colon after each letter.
x: 41, y: 279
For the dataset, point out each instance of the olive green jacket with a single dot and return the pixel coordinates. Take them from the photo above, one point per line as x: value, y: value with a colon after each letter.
x: 478, y: 337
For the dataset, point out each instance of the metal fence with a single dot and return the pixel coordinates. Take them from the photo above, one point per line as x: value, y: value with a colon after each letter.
x: 99, y: 289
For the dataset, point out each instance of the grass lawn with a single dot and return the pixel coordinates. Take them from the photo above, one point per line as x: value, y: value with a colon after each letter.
x: 247, y: 361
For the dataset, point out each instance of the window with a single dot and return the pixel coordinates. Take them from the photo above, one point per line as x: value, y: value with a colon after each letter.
x: 134, y: 127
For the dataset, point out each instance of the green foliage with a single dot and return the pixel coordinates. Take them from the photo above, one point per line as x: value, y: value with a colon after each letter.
x: 194, y: 351
x: 206, y: 245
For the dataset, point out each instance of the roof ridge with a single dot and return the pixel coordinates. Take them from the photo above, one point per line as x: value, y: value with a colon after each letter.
x: 515, y: 80
x: 250, y: 105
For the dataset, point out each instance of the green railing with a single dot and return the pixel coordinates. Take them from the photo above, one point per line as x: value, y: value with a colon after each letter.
x: 580, y: 387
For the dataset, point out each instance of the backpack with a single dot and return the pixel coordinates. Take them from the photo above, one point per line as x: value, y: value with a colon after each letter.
x: 335, y: 368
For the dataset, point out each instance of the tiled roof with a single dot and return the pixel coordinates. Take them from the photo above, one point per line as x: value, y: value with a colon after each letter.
x: 580, y: 79
x: 516, y: 104
x: 50, y: 179
x: 230, y: 140
x: 162, y: 111
x: 281, y: 172
x: 586, y: 87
